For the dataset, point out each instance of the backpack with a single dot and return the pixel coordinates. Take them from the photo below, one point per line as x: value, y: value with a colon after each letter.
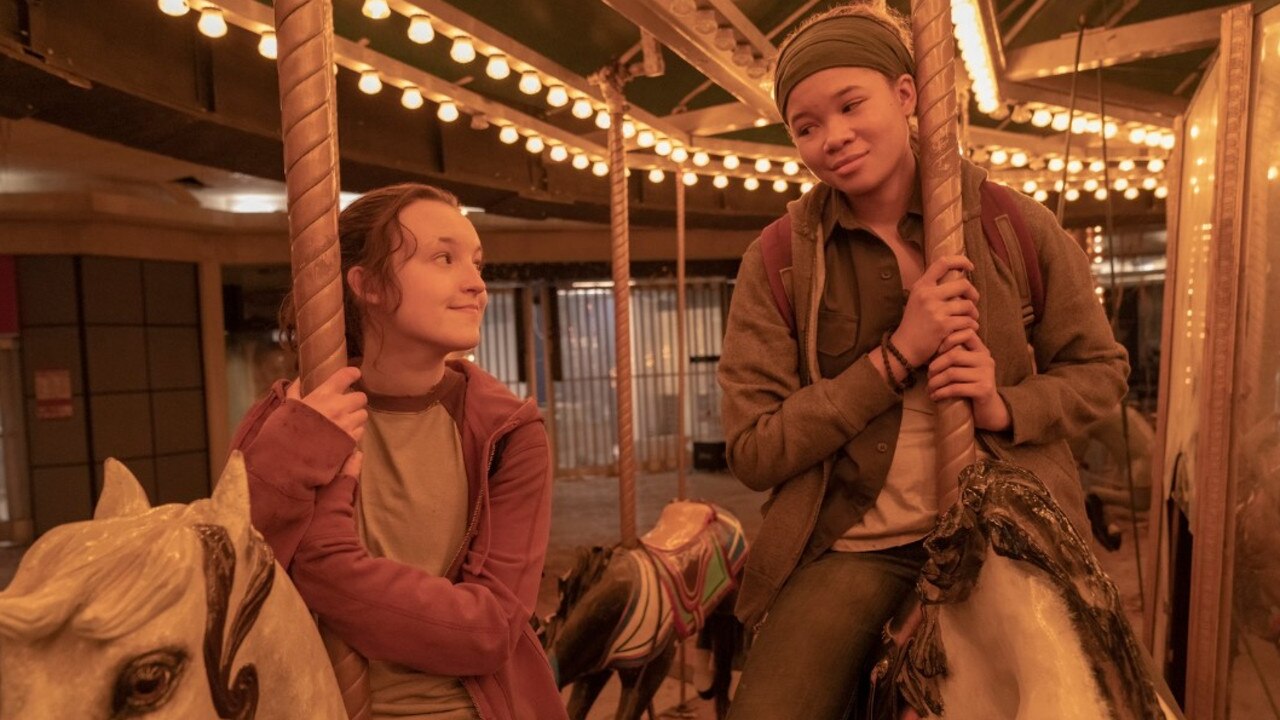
x: 1002, y: 225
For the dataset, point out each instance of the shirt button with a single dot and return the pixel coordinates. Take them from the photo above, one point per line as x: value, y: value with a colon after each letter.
x: 882, y: 447
x: 886, y: 275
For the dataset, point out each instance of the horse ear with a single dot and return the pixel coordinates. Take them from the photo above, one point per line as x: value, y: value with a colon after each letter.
x: 122, y: 495
x: 231, y: 496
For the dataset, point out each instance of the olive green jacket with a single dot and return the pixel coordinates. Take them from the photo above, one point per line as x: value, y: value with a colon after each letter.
x: 782, y: 436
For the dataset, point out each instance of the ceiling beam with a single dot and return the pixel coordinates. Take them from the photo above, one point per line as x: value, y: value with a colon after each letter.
x: 1048, y: 145
x: 714, y: 120
x: 697, y: 50
x: 1104, y: 47
x: 1025, y: 20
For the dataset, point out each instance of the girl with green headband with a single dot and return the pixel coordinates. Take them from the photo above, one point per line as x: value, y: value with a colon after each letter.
x: 836, y: 418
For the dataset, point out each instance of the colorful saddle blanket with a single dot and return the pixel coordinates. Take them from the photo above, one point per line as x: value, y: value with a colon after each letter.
x: 686, y: 565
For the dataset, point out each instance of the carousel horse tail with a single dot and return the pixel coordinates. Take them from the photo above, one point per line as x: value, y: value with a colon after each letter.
x: 352, y: 672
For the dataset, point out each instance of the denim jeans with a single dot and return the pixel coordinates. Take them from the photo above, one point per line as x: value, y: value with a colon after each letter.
x: 813, y: 654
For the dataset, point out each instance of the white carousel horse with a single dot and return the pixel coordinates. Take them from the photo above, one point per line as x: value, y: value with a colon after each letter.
x: 1018, y: 620
x: 126, y: 615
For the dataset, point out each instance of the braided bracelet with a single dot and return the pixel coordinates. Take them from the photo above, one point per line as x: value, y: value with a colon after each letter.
x: 888, y: 371
x: 886, y: 343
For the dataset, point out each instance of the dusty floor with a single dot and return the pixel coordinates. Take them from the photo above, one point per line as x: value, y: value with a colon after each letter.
x: 585, y: 513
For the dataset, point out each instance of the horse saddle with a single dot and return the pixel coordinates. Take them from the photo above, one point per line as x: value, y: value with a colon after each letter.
x: 697, y: 552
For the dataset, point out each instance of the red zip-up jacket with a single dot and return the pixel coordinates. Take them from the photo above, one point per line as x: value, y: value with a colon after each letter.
x: 474, y: 622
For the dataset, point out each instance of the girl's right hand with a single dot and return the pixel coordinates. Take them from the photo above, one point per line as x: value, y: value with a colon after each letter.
x: 936, y: 309
x: 334, y: 400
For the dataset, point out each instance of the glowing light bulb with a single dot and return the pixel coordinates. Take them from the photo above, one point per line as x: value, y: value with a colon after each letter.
x: 656, y: 175
x: 628, y: 129
x: 1167, y: 141
x: 558, y: 153
x: 174, y: 8
x: 1074, y: 167
x: 1079, y: 124
x: 1120, y: 184
x: 999, y: 157
x: 1090, y: 185
x: 509, y: 134
x: 370, y: 83
x: 530, y: 83
x: 1155, y: 165
x: 780, y: 185
x: 1041, y: 118
x: 603, y: 120
x: 1097, y: 166
x: 1131, y: 194
x: 790, y: 167
x: 751, y: 183
x: 462, y: 50
x: 663, y: 147
x: 1018, y: 159
x: 582, y: 108
x: 534, y: 144
x: 1100, y: 193
x: 689, y: 179
x: 1094, y: 126
x: 498, y: 68
x: 448, y: 111
x: 557, y: 96
x: 599, y: 169
x: 1126, y: 165
x: 1029, y: 186
x: 421, y: 30
x: 212, y: 23
x: 1153, y: 139
x: 267, y: 45
x: 806, y: 186
x: 701, y: 158
x: 645, y: 139
x: 1073, y: 195
x: 1061, y: 121
x: 1137, y: 135
x: 1056, y: 164
x: 1162, y: 192
x: 731, y: 162
x: 1041, y: 195
x: 679, y: 154
x: 581, y: 162
x: 763, y: 165
x: 720, y: 181
x: 1149, y: 183
x: 376, y: 9
x: 411, y: 98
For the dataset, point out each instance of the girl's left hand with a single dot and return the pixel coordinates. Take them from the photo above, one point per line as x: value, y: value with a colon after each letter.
x: 964, y: 368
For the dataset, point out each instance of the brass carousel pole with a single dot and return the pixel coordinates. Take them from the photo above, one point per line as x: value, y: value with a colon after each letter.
x: 611, y: 86
x: 304, y: 33
x: 937, y: 110
x: 682, y: 356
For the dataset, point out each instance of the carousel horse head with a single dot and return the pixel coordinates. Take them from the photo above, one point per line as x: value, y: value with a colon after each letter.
x: 176, y: 611
x: 588, y: 566
x: 1019, y: 619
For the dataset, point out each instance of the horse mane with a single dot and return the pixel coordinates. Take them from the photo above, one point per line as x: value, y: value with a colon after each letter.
x: 103, y: 578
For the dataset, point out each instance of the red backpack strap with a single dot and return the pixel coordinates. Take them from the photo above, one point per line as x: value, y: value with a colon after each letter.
x: 775, y: 250
x: 1007, y: 234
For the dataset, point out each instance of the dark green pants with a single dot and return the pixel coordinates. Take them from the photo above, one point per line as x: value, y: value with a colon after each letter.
x: 813, y: 655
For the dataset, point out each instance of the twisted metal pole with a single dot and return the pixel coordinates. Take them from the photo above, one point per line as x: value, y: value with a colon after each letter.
x: 937, y: 110
x: 682, y: 352
x: 308, y: 113
x: 610, y: 82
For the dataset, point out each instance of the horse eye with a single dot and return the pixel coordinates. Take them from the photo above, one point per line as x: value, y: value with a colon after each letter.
x: 145, y: 682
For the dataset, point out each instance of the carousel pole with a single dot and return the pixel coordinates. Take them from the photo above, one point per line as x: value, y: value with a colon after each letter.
x: 610, y: 82
x: 682, y: 356
x: 938, y: 113
x: 304, y: 33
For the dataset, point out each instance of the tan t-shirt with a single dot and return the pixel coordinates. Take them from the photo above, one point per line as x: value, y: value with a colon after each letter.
x: 413, y: 508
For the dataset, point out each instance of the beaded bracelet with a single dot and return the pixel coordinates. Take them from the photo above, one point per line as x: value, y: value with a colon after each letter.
x: 886, y: 344
x: 892, y: 379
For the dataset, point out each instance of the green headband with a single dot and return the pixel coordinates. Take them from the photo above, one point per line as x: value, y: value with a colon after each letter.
x: 841, y: 41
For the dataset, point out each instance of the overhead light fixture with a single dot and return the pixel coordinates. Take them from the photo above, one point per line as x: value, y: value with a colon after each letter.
x: 1061, y: 121
x: 1072, y: 194
x: 705, y: 21
x: 973, y: 49
x: 599, y: 168
x: 1041, y: 118
x: 174, y: 8
x: 790, y: 167
x: 530, y: 83
x: 603, y: 120
x: 557, y: 96
x: 751, y: 184
x: 780, y: 185
x: 999, y: 157
x: 448, y: 111
x: 663, y: 147
x: 462, y: 50
x: 689, y: 179
x: 628, y: 129
x: 1074, y: 167
x: 376, y: 9
x: 1162, y: 192
x: 509, y: 134
x: 421, y: 30
x: 679, y: 154
x: 1018, y: 159
x: 411, y: 98
x: 581, y: 162
x: 212, y: 23
x: 535, y: 144
x: 370, y: 83
x: 763, y: 165
x: 701, y: 158
x: 1155, y: 165
x: 806, y: 186
x: 646, y: 139
x: 1126, y: 165
x: 498, y: 68
x: 656, y: 175
x: 1131, y: 194
x: 1056, y: 164
x: 582, y: 108
x: 720, y: 181
x: 1041, y: 195
x: 731, y: 162
x: 558, y: 153
x: 267, y: 45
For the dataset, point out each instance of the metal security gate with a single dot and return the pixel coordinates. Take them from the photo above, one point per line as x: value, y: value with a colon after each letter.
x: 586, y: 403
x: 501, y: 351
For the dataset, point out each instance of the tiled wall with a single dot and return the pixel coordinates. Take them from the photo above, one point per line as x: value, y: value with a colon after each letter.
x: 129, y: 333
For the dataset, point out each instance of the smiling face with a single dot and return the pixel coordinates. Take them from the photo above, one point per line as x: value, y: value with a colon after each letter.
x: 851, y: 126
x: 442, y: 296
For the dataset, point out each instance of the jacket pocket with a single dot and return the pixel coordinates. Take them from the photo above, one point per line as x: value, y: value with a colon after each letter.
x: 837, y: 341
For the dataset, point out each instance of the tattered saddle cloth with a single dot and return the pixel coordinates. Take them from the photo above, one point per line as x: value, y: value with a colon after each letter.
x: 686, y: 565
